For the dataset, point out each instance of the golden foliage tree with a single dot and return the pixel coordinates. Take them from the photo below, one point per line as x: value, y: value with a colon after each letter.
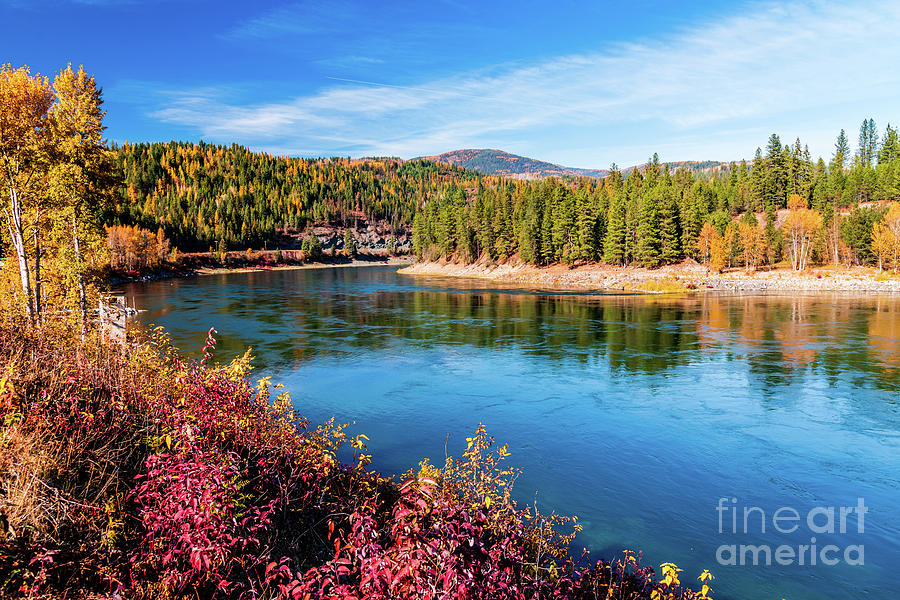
x: 753, y: 244
x: 25, y: 102
x: 704, y: 241
x: 801, y: 226
x: 58, y: 174
x: 718, y: 251
x: 80, y: 179
x: 132, y: 248
x: 886, y: 238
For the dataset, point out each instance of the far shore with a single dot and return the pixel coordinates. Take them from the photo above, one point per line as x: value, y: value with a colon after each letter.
x: 687, y: 276
x: 393, y: 261
x: 194, y: 264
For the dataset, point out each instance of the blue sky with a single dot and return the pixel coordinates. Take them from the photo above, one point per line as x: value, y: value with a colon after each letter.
x: 583, y: 84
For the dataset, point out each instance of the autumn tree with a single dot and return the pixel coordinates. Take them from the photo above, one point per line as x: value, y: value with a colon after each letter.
x: 752, y: 238
x: 718, y: 251
x: 704, y: 241
x: 886, y: 238
x: 801, y: 226
x: 25, y: 102
x: 81, y: 178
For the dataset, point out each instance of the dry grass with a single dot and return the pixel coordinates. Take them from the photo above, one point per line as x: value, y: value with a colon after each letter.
x: 665, y: 285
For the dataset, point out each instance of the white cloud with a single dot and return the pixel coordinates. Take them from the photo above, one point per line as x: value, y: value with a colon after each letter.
x: 776, y: 65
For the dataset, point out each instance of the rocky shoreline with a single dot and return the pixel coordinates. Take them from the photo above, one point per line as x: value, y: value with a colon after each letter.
x: 684, y: 277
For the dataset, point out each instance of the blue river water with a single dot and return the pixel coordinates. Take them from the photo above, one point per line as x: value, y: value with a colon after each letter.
x: 661, y: 421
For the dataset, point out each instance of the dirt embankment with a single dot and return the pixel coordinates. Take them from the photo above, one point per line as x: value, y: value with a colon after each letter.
x: 685, y: 276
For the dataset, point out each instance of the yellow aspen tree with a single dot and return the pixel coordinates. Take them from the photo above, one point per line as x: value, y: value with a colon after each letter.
x: 25, y: 102
x: 704, y: 240
x: 883, y: 243
x: 886, y: 237
x: 81, y: 174
x: 718, y: 251
x: 730, y: 237
x: 753, y: 244
x: 801, y: 226
x: 833, y: 237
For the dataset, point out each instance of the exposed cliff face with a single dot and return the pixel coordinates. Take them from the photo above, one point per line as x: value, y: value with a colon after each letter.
x: 371, y: 236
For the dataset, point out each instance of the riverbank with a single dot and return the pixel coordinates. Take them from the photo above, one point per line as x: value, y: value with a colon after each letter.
x: 205, y: 263
x: 391, y: 261
x: 683, y: 277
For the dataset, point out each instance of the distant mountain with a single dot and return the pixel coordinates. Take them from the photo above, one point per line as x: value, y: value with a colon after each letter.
x: 498, y: 162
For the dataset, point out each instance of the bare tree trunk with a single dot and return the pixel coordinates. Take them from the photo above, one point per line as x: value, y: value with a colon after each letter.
x: 836, y: 237
x: 14, y: 222
x: 37, y: 272
x: 82, y: 296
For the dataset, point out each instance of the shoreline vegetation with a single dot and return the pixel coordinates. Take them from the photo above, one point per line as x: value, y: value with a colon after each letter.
x: 684, y: 277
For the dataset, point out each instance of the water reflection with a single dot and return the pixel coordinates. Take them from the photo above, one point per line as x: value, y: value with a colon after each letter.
x: 293, y: 316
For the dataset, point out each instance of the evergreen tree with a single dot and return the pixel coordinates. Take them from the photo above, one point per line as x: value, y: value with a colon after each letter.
x: 350, y: 248
x: 614, y: 244
x: 647, y: 251
x: 841, y: 152
x: 669, y: 225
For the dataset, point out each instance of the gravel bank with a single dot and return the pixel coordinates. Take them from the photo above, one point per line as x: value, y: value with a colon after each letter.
x: 688, y: 274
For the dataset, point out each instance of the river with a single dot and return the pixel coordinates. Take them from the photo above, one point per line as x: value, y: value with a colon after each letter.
x: 656, y: 419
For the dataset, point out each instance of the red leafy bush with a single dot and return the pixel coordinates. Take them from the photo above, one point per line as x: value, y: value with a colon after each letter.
x: 198, y: 532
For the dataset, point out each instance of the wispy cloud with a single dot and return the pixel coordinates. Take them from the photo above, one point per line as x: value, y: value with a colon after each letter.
x: 775, y: 64
x: 298, y: 18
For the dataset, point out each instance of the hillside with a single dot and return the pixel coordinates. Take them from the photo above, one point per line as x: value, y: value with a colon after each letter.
x: 201, y: 194
x: 498, y: 162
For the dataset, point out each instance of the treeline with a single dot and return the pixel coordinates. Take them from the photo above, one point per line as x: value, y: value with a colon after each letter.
x: 132, y: 248
x: 203, y: 195
x: 655, y: 216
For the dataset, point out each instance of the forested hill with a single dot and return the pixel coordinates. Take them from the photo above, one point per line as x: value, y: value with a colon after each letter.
x: 200, y: 194
x: 504, y: 164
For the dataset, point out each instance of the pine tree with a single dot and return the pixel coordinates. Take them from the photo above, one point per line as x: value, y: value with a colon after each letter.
x: 350, y: 248
x: 868, y: 142
x: 757, y: 182
x: 585, y: 224
x: 841, y: 152
x: 614, y: 244
x: 670, y: 225
x: 890, y: 146
x: 647, y: 250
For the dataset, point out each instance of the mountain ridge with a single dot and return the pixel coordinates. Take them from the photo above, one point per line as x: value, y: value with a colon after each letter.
x: 491, y: 161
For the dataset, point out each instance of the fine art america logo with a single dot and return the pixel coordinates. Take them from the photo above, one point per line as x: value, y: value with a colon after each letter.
x: 809, y: 537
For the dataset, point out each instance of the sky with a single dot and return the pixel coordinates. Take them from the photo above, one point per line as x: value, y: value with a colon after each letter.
x: 582, y: 84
